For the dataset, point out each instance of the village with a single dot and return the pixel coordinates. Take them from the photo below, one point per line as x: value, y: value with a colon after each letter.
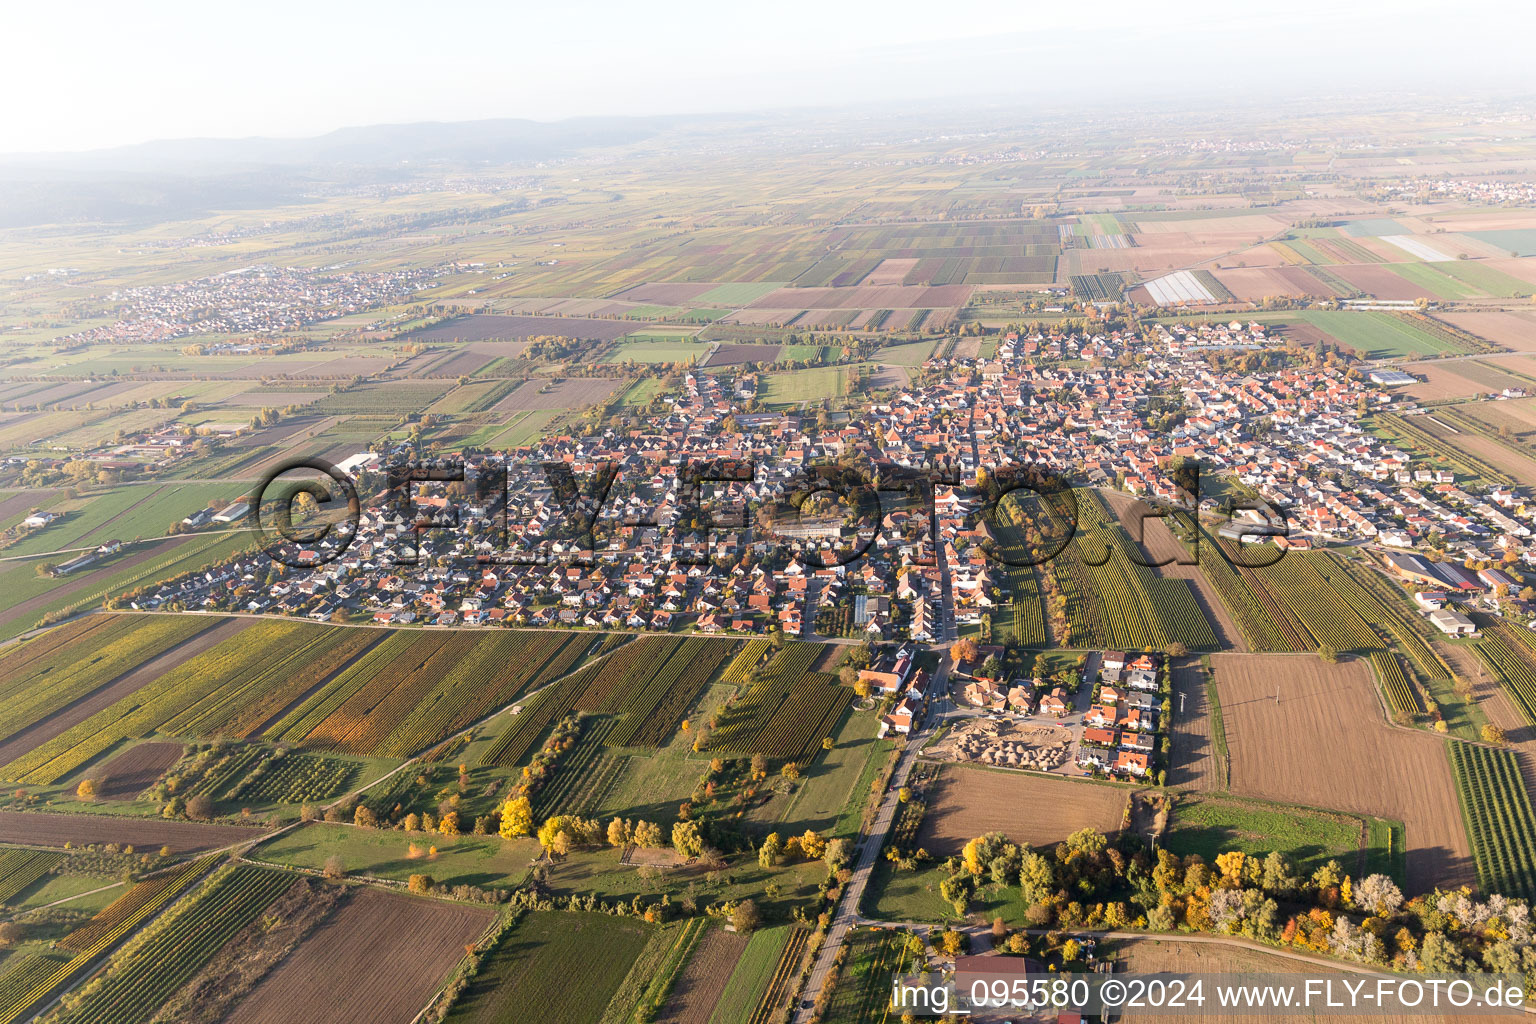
x: 1284, y: 438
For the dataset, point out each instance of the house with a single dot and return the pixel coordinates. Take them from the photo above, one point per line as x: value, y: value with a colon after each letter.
x: 1055, y: 703
x: 1452, y: 623
x: 1131, y: 763
x: 38, y: 520
x: 1430, y: 600
x: 900, y: 719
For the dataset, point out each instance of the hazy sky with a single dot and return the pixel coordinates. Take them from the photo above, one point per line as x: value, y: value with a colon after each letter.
x: 90, y: 74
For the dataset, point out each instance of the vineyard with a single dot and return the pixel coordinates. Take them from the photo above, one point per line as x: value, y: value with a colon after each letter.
x: 864, y: 990
x: 787, y: 712
x: 1022, y: 619
x: 1122, y: 603
x: 1498, y: 816
x: 148, y: 971
x: 1514, y: 664
x: 553, y: 966
x: 751, y: 653
x: 295, y: 779
x: 21, y: 868
x: 785, y: 976
x: 1400, y: 694
x: 1247, y: 605
x: 63, y: 665
x: 645, y: 686
x: 22, y: 990
x: 587, y: 772
x: 652, y: 711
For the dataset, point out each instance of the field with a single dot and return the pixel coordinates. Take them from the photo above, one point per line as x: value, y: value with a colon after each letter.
x: 1209, y: 825
x: 553, y: 966
x: 38, y: 829
x: 701, y: 984
x: 788, y: 711
x: 1516, y: 330
x: 66, y: 665
x: 1141, y: 957
x: 1377, y: 335
x: 481, y: 327
x: 864, y: 986
x: 135, y: 770
x: 25, y: 987
x: 20, y: 869
x: 1305, y: 732
x: 393, y: 950
x: 965, y: 802
x: 325, y: 687
x: 140, y: 980
x: 1120, y: 603
x: 463, y: 859
x: 1499, y: 818
x: 763, y: 969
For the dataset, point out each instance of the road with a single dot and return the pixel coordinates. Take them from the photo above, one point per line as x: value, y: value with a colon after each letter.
x: 847, y: 916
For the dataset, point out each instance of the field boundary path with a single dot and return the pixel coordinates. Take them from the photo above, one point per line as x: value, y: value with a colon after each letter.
x: 847, y: 914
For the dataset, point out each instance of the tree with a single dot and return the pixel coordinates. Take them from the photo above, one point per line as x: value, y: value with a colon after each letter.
x: 952, y: 943
x: 826, y: 743
x: 1328, y: 654
x: 200, y: 806
x: 686, y: 839
x: 420, y: 883
x: 334, y: 868
x: 1037, y: 878
x: 904, y: 794
x: 86, y: 790
x: 1378, y: 894
x: 647, y: 835
x: 1071, y: 950
x: 12, y: 932
x: 1493, y: 734
x: 746, y: 917
x: 516, y: 818
x: 364, y: 817
x: 963, y: 650
x: 848, y: 675
x: 772, y: 849
x: 618, y: 834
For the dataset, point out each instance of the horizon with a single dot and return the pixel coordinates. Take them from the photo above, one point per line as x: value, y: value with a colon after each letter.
x: 116, y: 79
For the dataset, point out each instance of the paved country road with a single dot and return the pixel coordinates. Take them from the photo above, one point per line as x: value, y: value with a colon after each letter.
x: 847, y: 914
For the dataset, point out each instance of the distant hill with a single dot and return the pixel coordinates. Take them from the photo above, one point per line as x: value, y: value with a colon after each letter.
x: 187, y: 177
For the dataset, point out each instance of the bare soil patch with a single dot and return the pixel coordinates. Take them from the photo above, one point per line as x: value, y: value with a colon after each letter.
x: 391, y: 951
x: 143, y: 833
x: 699, y: 987
x: 1325, y: 744
x: 1196, y: 764
x: 965, y: 802
x: 1513, y: 330
x: 133, y: 771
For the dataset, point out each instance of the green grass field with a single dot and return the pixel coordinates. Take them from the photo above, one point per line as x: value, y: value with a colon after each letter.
x: 791, y: 387
x: 1376, y: 334
x: 470, y: 860
x: 1209, y: 825
x: 657, y: 352
x: 737, y: 295
x: 553, y: 967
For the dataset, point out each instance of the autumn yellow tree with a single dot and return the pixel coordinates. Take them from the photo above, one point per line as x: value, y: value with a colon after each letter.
x: 516, y: 818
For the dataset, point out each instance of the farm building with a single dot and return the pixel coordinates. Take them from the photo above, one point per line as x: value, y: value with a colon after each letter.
x: 1452, y: 623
